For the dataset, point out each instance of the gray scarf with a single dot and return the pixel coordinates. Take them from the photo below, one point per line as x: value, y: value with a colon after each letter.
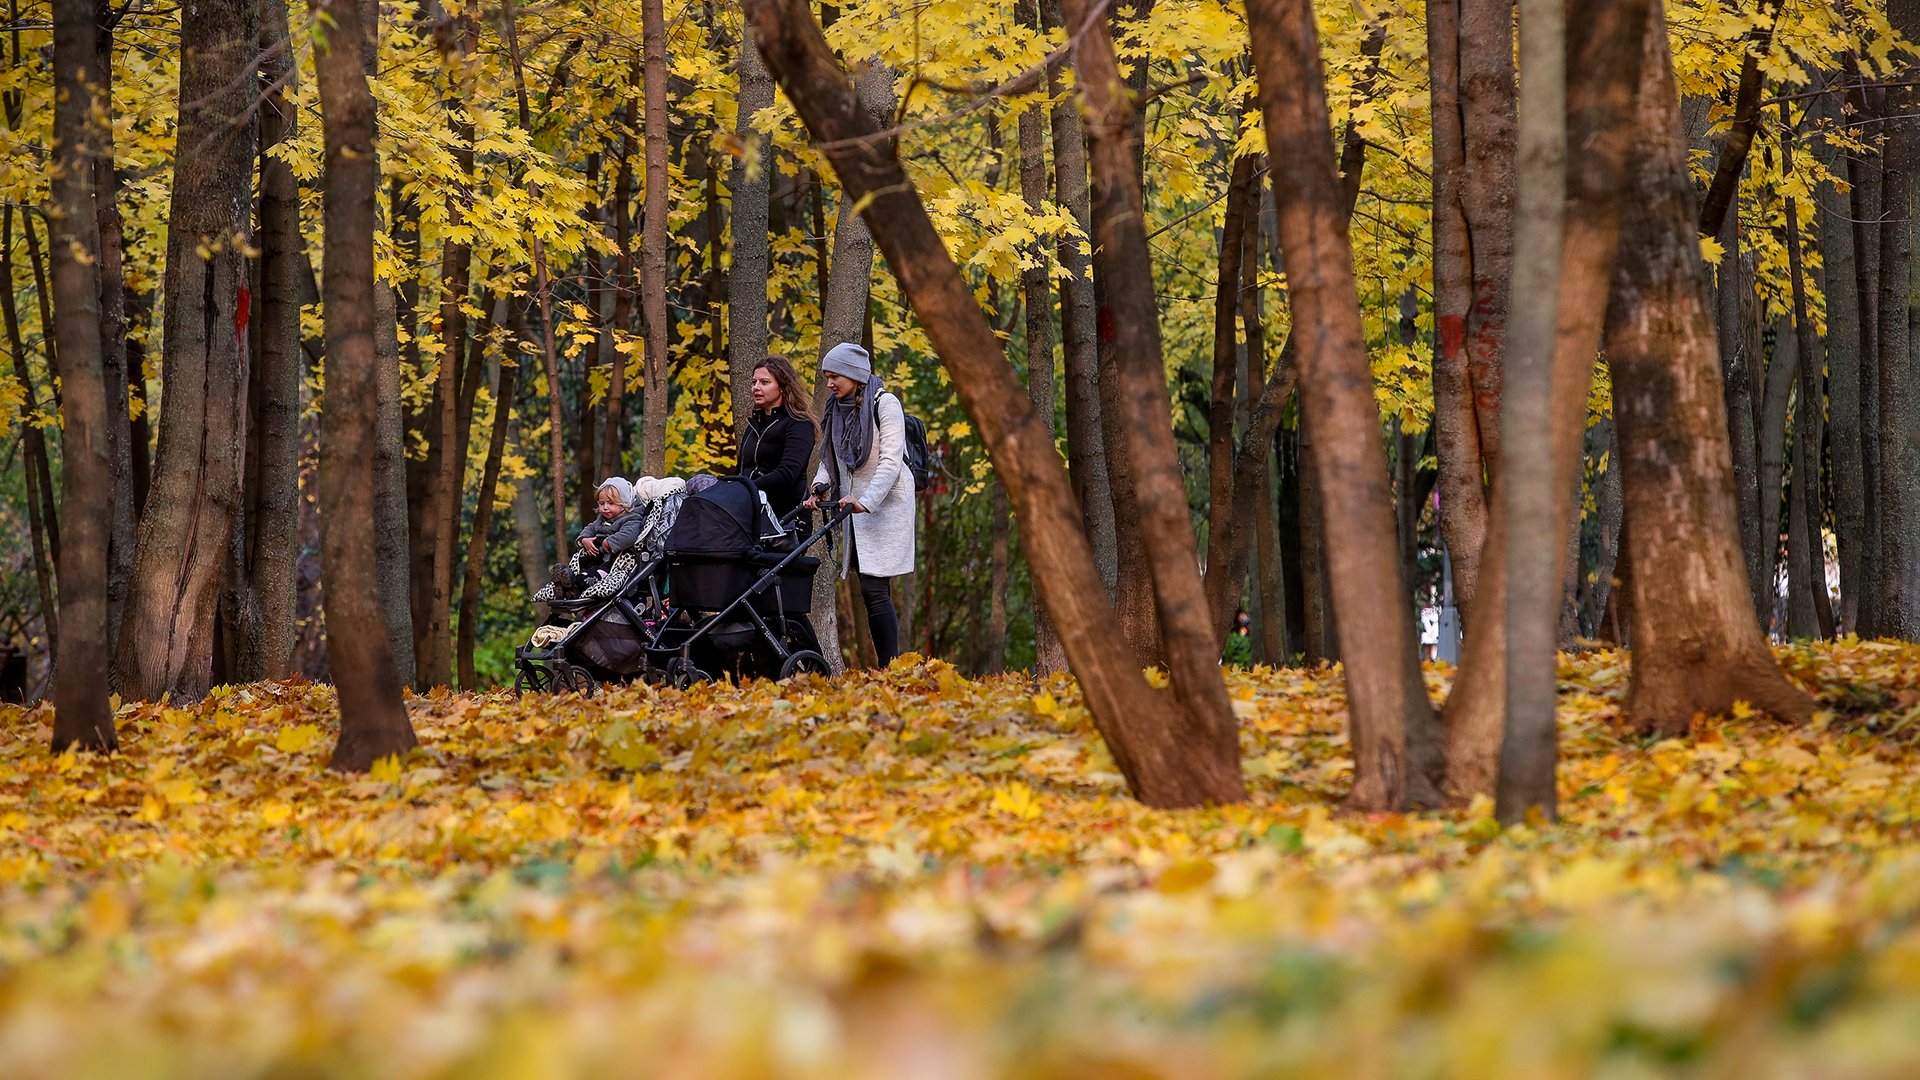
x: 849, y: 429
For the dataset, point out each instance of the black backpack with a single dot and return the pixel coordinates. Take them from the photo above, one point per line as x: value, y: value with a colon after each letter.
x: 919, y: 460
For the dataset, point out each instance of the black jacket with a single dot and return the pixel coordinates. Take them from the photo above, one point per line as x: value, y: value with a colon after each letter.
x: 774, y: 454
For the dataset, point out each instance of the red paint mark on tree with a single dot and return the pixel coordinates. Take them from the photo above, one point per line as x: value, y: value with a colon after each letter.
x: 242, y: 311
x: 1453, y: 334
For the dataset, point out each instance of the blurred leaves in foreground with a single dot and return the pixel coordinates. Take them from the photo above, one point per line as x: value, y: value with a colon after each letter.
x: 916, y: 875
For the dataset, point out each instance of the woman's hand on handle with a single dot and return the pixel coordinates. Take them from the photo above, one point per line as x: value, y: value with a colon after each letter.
x: 852, y: 505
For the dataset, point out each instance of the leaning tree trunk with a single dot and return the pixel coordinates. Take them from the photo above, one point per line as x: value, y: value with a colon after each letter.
x: 747, y: 333
x: 653, y: 243
x: 1165, y: 761
x: 1396, y: 753
x: 1696, y: 645
x: 1605, y: 65
x: 1187, y: 643
x: 166, y: 642
x: 373, y: 719
x: 82, y: 718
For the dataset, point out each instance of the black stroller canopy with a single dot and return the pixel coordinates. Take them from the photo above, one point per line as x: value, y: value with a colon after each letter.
x: 720, y: 521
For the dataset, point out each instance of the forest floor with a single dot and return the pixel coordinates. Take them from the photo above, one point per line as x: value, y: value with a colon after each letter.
x: 918, y: 875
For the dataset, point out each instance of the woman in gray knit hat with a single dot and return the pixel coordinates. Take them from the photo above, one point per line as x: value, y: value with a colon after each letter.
x: 863, y: 463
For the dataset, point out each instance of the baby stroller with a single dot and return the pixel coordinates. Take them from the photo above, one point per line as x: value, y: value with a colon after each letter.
x: 603, y: 634
x: 741, y: 587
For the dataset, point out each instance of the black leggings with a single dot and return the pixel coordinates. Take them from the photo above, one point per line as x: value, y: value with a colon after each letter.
x: 881, y: 618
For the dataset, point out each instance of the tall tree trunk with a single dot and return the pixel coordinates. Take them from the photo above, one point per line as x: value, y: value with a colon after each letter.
x: 82, y: 718
x: 1036, y: 297
x: 113, y: 337
x: 166, y: 642
x: 469, y: 630
x: 992, y: 652
x: 32, y: 440
x: 653, y: 243
x: 747, y: 331
x: 1605, y: 62
x: 843, y: 315
x: 1463, y: 502
x: 1866, y: 178
x: 1487, y: 114
x: 1186, y: 639
x: 1395, y: 748
x: 1739, y: 366
x: 273, y: 513
x: 543, y: 290
x: 1536, y: 553
x: 614, y: 433
x: 1165, y: 760
x: 1898, y: 610
x: 1809, y: 440
x: 1696, y: 647
x: 1839, y: 285
x: 392, y: 542
x: 1079, y: 316
x: 373, y: 719
x: 529, y: 536
x: 1782, y: 371
x: 1222, y: 584
x: 433, y: 636
x: 1607, y: 513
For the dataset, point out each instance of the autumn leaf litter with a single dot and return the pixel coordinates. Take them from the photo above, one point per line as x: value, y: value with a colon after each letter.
x: 919, y: 874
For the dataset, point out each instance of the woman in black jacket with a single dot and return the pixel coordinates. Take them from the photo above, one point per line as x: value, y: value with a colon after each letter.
x: 780, y: 435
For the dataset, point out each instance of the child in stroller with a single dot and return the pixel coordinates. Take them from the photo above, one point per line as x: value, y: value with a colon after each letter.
x: 608, y: 536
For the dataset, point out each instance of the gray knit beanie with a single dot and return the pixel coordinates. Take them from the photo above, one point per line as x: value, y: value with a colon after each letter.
x: 849, y: 360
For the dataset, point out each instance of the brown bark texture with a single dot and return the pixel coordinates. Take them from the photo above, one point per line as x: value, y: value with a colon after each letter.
x: 373, y: 719
x: 747, y: 330
x: 1461, y: 482
x: 653, y: 242
x: 1079, y: 316
x: 82, y: 718
x: 1188, y: 644
x: 1165, y: 762
x: 1486, y: 196
x: 1223, y: 585
x: 1537, y: 532
x: 1036, y: 302
x: 273, y: 467
x: 1696, y: 645
x: 166, y: 641
x: 1898, y: 409
x: 1604, y: 64
x: 1395, y: 752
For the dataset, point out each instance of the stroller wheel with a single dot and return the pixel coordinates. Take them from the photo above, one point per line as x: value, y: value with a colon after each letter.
x: 683, y: 674
x: 805, y: 662
x: 532, y: 679
x: 570, y: 679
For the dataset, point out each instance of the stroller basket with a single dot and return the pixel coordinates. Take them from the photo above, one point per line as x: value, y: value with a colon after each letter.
x: 708, y: 584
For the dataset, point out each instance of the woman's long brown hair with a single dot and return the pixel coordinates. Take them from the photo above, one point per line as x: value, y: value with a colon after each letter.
x: 792, y: 395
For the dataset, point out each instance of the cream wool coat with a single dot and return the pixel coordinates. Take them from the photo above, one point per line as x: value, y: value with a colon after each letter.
x: 884, y: 485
